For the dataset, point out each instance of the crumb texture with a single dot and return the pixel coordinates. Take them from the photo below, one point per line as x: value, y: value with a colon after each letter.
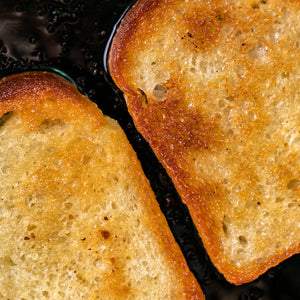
x: 214, y: 88
x: 76, y: 213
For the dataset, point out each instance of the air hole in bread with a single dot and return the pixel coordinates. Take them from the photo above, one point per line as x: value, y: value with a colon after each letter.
x: 285, y: 75
x: 260, y: 188
x: 222, y: 103
x: 225, y: 229
x: 159, y: 93
x: 194, y: 60
x: 257, y: 51
x: 241, y: 70
x: 243, y: 240
x: 5, y: 118
x: 30, y: 227
x: 225, y: 181
x: 255, y: 5
x: 86, y: 159
x: 97, y: 292
x: 45, y: 294
x: 267, y: 136
x: 47, y: 124
x: 5, y: 170
x: 137, y: 224
x: 229, y: 133
x: 68, y: 205
x: 143, y: 97
x: 28, y: 200
x: 51, y: 149
x: 250, y: 204
x: 240, y: 251
x: 230, y: 98
x: 7, y: 260
x: 62, y: 294
x: 51, y: 99
x: 226, y: 222
x: 293, y: 184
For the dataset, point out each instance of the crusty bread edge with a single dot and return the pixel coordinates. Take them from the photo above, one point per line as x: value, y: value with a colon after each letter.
x: 141, y: 10
x: 29, y: 94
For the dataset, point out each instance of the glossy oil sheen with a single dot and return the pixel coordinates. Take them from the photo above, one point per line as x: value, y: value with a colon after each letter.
x: 71, y: 37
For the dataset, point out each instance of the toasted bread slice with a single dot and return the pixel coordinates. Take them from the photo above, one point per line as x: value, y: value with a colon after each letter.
x: 78, y: 217
x: 213, y: 86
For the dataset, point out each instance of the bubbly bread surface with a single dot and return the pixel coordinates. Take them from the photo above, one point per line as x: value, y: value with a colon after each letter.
x: 213, y: 86
x: 78, y: 217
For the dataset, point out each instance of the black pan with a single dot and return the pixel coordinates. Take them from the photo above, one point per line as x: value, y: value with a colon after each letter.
x: 71, y: 37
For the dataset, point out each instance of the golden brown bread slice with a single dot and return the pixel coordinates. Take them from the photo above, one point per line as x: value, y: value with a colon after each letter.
x: 78, y: 217
x: 213, y: 86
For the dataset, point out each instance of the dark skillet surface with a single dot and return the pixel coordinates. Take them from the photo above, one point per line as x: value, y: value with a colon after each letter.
x: 71, y: 36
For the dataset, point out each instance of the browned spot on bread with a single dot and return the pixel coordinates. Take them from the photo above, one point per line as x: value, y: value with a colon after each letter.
x: 203, y: 25
x: 182, y: 128
x: 105, y: 234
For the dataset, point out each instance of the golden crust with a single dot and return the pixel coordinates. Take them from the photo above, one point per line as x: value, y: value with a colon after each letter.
x: 216, y: 64
x: 39, y: 96
x: 31, y: 92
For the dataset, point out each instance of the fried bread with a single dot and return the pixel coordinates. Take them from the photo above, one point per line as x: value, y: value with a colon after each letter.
x: 78, y: 217
x: 213, y: 86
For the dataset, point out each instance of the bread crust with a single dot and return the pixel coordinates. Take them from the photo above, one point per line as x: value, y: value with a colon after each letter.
x: 29, y: 93
x: 40, y: 96
x: 163, y: 44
